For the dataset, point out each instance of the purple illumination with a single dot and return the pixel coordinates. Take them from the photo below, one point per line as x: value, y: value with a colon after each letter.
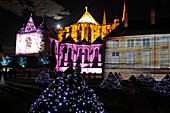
x: 29, y: 43
x: 87, y: 55
x: 29, y: 39
x: 83, y: 56
x: 60, y: 104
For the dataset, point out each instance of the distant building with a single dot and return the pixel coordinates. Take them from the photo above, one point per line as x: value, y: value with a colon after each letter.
x: 138, y: 47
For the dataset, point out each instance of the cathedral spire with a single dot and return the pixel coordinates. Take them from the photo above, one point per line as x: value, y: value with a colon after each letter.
x: 86, y: 8
x: 104, y: 18
x: 124, y: 12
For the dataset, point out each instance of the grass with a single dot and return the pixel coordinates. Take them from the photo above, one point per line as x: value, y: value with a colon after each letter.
x: 17, y: 98
x: 162, y: 103
x: 114, y: 101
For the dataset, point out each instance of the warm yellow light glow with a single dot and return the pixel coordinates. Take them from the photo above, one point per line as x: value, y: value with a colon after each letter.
x: 5, y: 69
x: 87, y: 18
x: 124, y: 11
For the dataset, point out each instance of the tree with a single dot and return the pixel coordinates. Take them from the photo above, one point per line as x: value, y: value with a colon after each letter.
x: 42, y: 78
x: 111, y: 82
x: 68, y: 93
x: 163, y: 87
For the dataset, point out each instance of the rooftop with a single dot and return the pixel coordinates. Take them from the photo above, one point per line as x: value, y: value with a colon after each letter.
x: 142, y: 27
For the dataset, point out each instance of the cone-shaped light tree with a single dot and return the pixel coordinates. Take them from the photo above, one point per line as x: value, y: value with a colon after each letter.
x: 111, y: 82
x: 42, y: 78
x: 146, y: 80
x: 68, y: 93
x: 163, y: 87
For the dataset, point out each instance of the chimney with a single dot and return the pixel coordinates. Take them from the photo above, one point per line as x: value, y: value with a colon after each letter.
x: 152, y: 16
x: 126, y: 20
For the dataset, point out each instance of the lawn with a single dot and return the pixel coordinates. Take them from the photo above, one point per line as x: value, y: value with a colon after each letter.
x: 17, y: 98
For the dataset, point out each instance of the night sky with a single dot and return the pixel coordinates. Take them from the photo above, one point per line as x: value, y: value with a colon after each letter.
x: 13, y: 17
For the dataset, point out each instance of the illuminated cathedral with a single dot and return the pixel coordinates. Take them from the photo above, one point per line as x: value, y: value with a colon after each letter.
x: 87, y: 27
x: 79, y: 44
x: 82, y: 43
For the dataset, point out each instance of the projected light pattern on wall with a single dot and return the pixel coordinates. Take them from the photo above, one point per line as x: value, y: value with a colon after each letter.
x: 29, y: 43
x: 5, y: 60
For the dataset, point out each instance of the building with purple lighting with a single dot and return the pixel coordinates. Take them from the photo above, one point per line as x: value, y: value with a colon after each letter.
x: 35, y: 39
x: 79, y: 45
x: 86, y: 54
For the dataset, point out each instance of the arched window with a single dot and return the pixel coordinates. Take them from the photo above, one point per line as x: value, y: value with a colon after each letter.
x: 86, y: 55
x: 80, y: 54
x: 64, y: 50
x: 53, y: 47
x: 69, y: 54
x: 85, y: 33
x: 96, y: 53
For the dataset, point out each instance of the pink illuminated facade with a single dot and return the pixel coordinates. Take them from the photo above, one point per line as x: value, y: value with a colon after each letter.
x: 37, y: 39
x: 84, y: 54
x: 32, y: 40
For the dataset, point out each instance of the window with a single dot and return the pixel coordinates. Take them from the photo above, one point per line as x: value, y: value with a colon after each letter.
x: 108, y: 44
x: 115, y: 54
x: 145, y: 59
x: 164, y: 59
x: 163, y: 41
x: 86, y: 55
x: 115, y: 59
x: 96, y: 53
x: 130, y: 43
x: 129, y: 59
x: 115, y: 44
x: 69, y: 54
x: 146, y: 42
x: 80, y: 54
x: 107, y: 57
x: 112, y: 44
